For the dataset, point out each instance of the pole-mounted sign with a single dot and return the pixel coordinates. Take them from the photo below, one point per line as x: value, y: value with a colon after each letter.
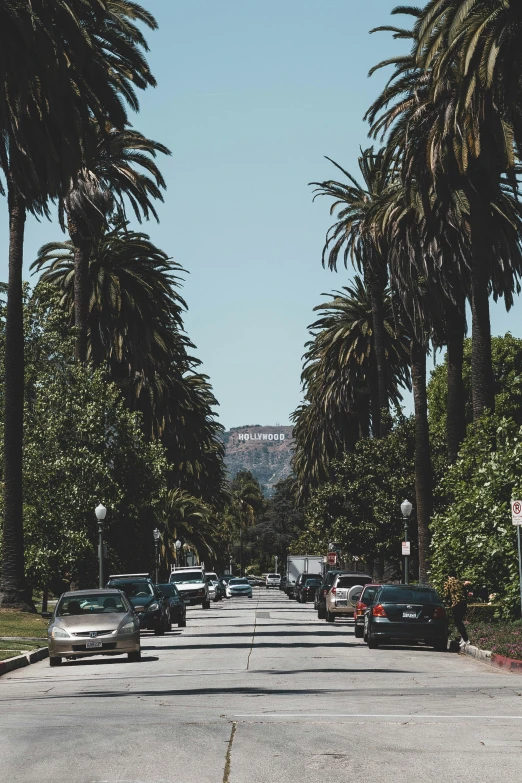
x: 516, y: 518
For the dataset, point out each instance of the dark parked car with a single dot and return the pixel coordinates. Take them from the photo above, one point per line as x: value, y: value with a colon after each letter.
x: 305, y: 590
x: 149, y: 604
x: 300, y: 582
x: 406, y: 613
x: 282, y: 584
x: 321, y: 593
x: 223, y: 581
x: 365, y: 600
x: 177, y: 606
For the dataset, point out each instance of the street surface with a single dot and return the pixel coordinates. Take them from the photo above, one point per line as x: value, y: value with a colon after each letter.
x: 259, y: 691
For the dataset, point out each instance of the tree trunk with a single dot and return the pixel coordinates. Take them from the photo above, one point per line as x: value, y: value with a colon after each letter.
x: 82, y: 288
x: 456, y: 402
x: 374, y: 396
x: 13, y: 588
x: 481, y: 363
x: 423, y: 469
x: 379, y: 342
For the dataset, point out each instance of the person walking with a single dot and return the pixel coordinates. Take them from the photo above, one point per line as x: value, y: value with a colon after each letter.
x: 456, y: 597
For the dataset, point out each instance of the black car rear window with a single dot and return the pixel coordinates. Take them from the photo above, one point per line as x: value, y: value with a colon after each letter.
x: 351, y: 581
x: 397, y: 595
x: 169, y: 591
x: 314, y: 581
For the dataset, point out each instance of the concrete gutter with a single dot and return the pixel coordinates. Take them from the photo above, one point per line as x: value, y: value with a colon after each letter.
x: 23, y: 660
x: 500, y: 661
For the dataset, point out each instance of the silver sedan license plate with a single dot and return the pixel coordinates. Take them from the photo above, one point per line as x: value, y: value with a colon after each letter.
x: 92, y: 643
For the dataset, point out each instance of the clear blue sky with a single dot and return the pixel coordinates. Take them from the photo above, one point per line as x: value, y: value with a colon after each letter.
x: 251, y: 95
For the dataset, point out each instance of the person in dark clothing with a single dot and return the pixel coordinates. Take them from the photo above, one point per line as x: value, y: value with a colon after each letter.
x: 456, y: 597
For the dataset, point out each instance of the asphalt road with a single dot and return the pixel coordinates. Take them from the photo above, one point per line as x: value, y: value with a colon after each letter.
x: 260, y: 691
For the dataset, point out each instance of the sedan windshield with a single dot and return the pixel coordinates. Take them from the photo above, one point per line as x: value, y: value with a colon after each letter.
x: 134, y: 589
x: 396, y: 595
x: 238, y: 582
x: 75, y: 605
x: 169, y: 591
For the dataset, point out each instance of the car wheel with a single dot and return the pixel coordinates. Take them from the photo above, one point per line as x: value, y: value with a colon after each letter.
x: 134, y: 656
x: 205, y: 605
x: 321, y: 613
x: 329, y: 617
x: 372, y: 643
x: 159, y: 630
x: 182, y: 624
x: 54, y: 660
x: 359, y: 632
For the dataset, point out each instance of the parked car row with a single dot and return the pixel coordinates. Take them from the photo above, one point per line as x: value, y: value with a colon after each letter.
x: 109, y: 621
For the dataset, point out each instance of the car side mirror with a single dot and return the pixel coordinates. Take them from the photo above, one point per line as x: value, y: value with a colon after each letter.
x: 46, y: 615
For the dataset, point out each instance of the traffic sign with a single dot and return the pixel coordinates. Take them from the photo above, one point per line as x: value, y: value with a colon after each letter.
x: 516, y: 512
x: 332, y: 558
x: 406, y: 548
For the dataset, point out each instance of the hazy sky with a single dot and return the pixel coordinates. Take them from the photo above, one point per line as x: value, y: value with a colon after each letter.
x: 251, y: 96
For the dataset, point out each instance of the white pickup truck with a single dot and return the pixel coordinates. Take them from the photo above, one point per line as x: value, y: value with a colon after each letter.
x: 192, y: 585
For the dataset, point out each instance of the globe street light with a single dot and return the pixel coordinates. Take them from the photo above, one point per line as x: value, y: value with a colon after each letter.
x: 178, y: 546
x: 406, y: 508
x: 100, y: 512
x: 156, y: 535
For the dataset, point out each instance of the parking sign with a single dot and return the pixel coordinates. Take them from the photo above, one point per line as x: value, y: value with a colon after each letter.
x: 516, y: 512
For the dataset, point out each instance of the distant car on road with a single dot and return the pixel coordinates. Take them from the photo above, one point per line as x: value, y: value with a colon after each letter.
x: 239, y: 586
x: 365, y: 600
x: 320, y: 596
x: 148, y: 603
x: 301, y: 581
x: 92, y: 622
x: 192, y: 585
x: 406, y: 613
x: 216, y: 589
x: 282, y: 584
x: 305, y: 590
x: 177, y: 606
x: 272, y: 580
x: 343, y: 595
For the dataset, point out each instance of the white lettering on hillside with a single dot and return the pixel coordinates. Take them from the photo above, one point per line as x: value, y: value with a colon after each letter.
x: 262, y: 436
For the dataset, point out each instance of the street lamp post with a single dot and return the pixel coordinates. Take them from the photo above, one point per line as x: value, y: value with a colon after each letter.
x: 100, y: 512
x: 406, y: 508
x: 156, y: 535
x: 178, y: 546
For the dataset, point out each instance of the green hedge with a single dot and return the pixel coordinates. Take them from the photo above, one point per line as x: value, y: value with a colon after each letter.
x: 483, y: 613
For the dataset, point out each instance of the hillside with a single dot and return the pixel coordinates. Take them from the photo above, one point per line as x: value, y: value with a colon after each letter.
x: 266, y: 451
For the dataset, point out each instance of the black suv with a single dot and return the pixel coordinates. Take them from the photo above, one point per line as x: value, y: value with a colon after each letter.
x: 300, y: 583
x: 150, y: 605
x: 321, y: 593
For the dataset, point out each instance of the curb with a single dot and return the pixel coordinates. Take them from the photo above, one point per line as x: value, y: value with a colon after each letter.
x: 499, y: 661
x: 23, y: 660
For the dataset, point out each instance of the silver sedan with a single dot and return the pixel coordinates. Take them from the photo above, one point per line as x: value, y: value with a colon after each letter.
x: 239, y: 586
x: 93, y: 622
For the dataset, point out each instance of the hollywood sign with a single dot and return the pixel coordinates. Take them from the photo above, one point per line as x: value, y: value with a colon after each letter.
x: 262, y: 436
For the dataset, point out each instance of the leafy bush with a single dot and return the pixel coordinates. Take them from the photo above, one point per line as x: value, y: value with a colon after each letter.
x: 473, y: 534
x: 483, y: 613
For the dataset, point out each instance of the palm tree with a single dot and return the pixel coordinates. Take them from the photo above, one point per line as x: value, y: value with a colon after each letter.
x: 456, y: 144
x: 352, y: 200
x: 119, y: 165
x: 339, y: 379
x: 136, y: 332
x: 190, y: 520
x: 61, y: 63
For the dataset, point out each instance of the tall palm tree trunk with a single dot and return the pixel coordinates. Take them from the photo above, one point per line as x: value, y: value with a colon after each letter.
x: 481, y: 362
x: 13, y: 589
x: 456, y: 402
x: 374, y: 395
x: 423, y: 470
x: 377, y: 288
x: 82, y: 253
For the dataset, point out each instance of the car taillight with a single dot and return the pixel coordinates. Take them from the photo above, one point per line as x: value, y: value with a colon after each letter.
x: 333, y: 590
x: 325, y: 593
x: 439, y: 613
x: 360, y: 606
x: 379, y: 611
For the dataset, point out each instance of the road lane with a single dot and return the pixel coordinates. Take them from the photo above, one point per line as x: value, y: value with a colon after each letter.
x: 284, y: 695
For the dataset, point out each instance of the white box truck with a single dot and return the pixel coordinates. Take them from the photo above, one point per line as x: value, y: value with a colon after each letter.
x: 301, y: 564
